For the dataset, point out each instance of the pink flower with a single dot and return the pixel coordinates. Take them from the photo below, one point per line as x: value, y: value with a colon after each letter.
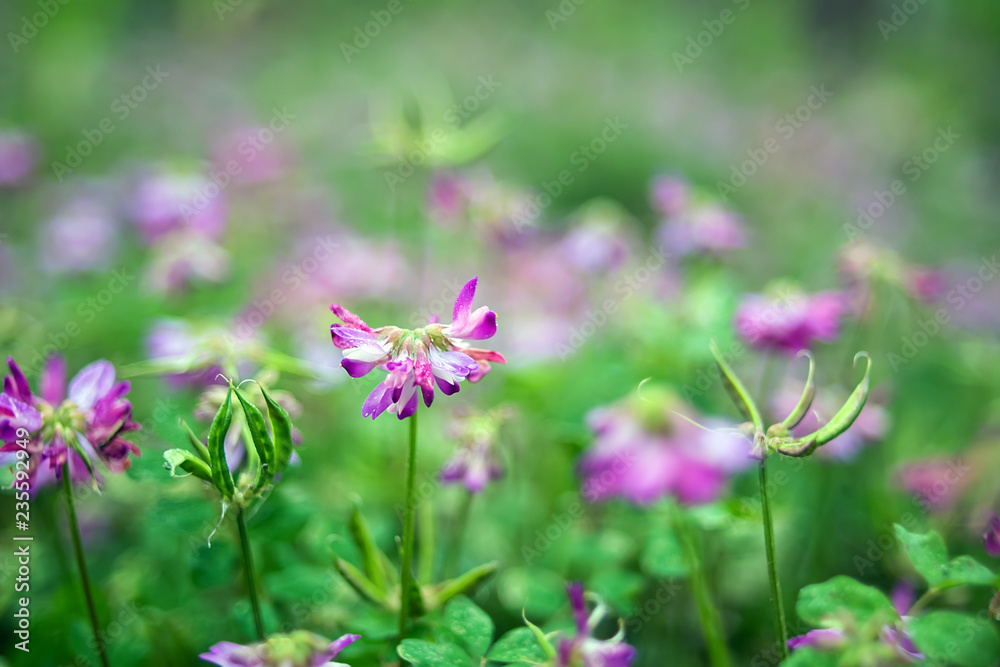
x: 788, y: 320
x: 475, y: 463
x: 417, y: 359
x: 296, y: 649
x: 80, y: 237
x: 937, y: 483
x: 85, y: 424
x: 694, y: 225
x: 644, y: 451
x: 18, y: 156
x: 172, y: 201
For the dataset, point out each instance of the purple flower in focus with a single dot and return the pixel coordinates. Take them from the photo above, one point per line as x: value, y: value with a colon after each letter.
x: 88, y: 421
x: 296, y: 649
x: 787, y: 320
x: 583, y: 650
x: 991, y: 538
x: 475, y: 463
x: 937, y: 483
x: 644, y: 451
x: 871, y: 425
x: 18, y: 156
x: 416, y: 360
x: 82, y: 236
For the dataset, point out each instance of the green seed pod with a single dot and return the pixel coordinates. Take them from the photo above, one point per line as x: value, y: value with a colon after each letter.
x: 360, y: 583
x: 281, y: 428
x: 188, y: 462
x: 371, y: 557
x: 222, y: 477
x: 805, y: 401
x: 261, y: 441
x: 847, y: 414
x: 737, y: 392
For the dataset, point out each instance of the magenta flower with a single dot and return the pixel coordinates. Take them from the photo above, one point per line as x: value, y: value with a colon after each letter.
x: 670, y: 195
x: 80, y: 237
x: 705, y: 230
x: 643, y: 452
x: 417, y: 359
x: 583, y: 650
x: 18, y: 156
x: 169, y: 201
x: 85, y: 424
x: 991, y: 538
x: 296, y: 649
x: 787, y: 320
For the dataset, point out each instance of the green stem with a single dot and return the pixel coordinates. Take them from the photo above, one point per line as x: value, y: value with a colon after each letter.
x: 406, y: 556
x: 74, y: 529
x: 248, y: 569
x: 708, y: 613
x: 772, y: 566
x: 455, y: 548
x: 918, y: 606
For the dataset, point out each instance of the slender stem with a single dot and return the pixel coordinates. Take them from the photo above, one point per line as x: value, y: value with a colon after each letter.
x: 406, y: 556
x: 455, y: 548
x: 81, y: 564
x: 708, y: 613
x: 918, y: 606
x: 248, y: 570
x: 772, y: 566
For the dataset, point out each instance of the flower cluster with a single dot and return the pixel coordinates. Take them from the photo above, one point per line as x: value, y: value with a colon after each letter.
x: 417, y: 359
x: 648, y: 447
x: 786, y: 319
x: 475, y: 463
x: 295, y: 649
x: 584, y: 650
x: 67, y: 428
x: 693, y: 224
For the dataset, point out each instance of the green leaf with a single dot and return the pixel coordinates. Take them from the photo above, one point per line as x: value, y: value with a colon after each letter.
x: 809, y: 657
x: 954, y: 638
x: 262, y: 442
x: 359, y: 582
x: 196, y: 442
x: 663, y: 556
x: 840, y: 595
x: 422, y: 653
x: 466, y: 582
x: 928, y: 554
x: 518, y: 645
x: 371, y: 557
x: 281, y: 427
x: 468, y: 626
x: 221, y: 475
x: 188, y: 463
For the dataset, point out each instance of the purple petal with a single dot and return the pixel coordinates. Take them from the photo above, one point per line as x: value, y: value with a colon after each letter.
x: 410, y: 408
x: 608, y: 654
x: 454, y: 363
x: 357, y: 368
x: 481, y: 325
x: 54, y: 380
x: 823, y: 638
x: 346, y: 338
x: 447, y: 388
x: 16, y: 384
x: 576, y: 600
x: 463, y: 303
x: 991, y: 538
x: 902, y: 597
x: 340, y: 644
x: 91, y: 383
x: 377, y: 401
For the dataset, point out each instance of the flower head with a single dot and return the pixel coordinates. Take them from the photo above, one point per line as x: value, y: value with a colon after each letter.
x: 583, y: 650
x: 417, y: 359
x: 788, y: 320
x: 296, y: 649
x: 935, y: 483
x: 80, y: 237
x: 648, y: 447
x: 475, y: 463
x: 694, y: 223
x: 18, y: 157
x: 991, y: 538
x: 60, y: 427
